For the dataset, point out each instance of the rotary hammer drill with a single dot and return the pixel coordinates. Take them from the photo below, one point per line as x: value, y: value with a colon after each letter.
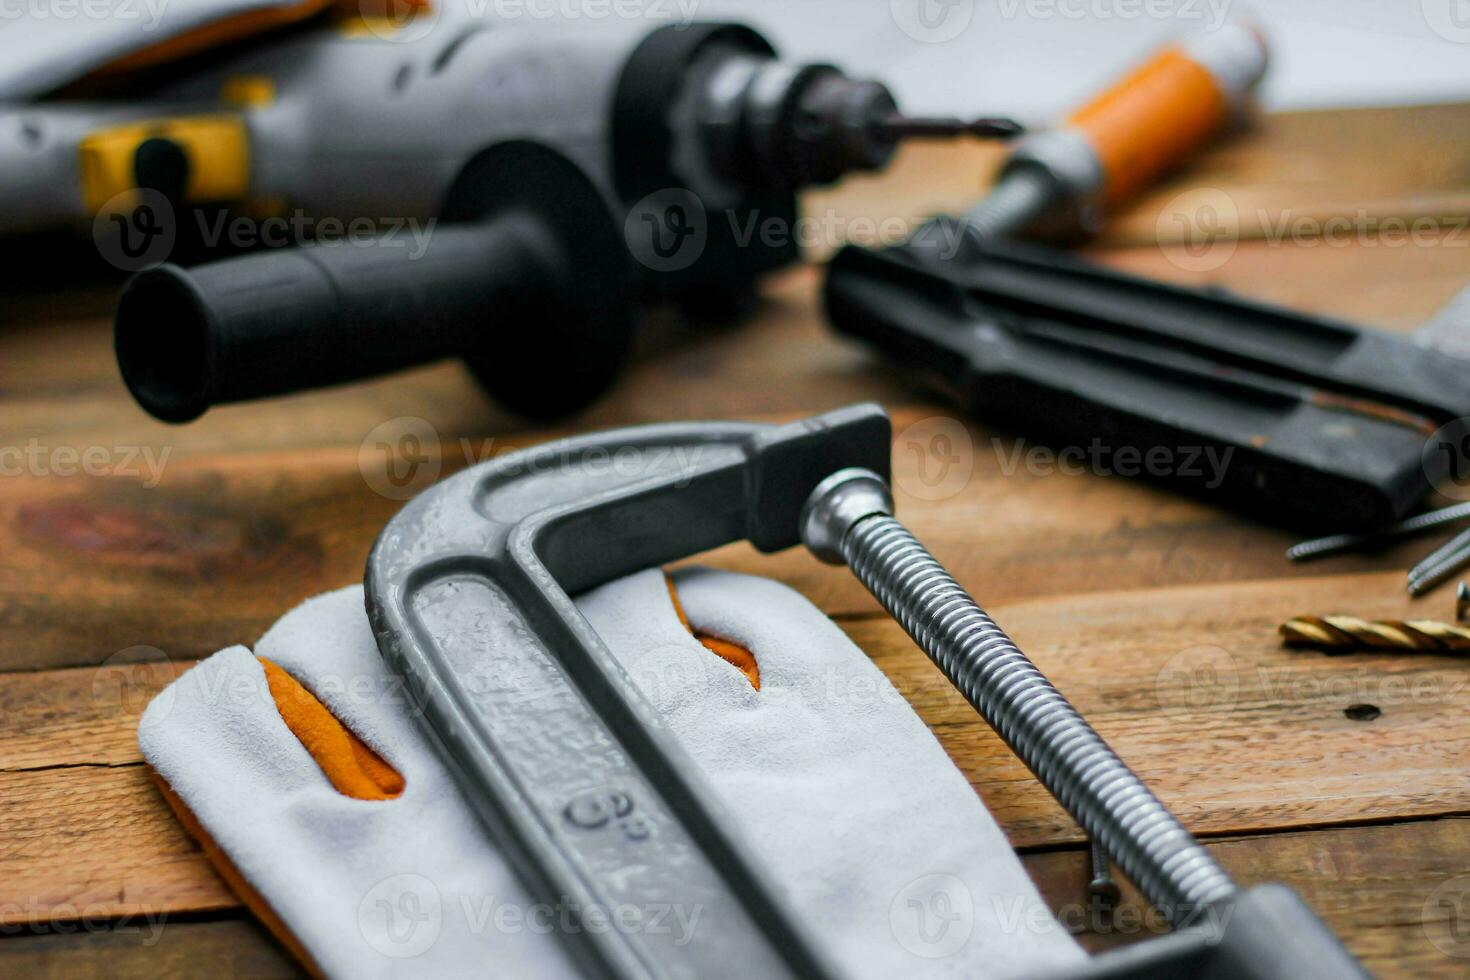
x: 664, y: 145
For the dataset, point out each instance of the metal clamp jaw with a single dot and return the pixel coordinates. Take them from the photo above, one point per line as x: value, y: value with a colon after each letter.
x: 467, y: 590
x: 568, y: 766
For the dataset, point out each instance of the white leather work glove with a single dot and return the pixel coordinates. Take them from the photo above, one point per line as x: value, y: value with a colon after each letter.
x: 838, y: 787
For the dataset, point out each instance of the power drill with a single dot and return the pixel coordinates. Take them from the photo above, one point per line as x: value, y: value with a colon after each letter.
x: 691, y: 133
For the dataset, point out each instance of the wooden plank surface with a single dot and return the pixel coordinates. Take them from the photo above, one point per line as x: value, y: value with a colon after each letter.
x: 268, y: 504
x: 1373, y: 162
x: 1171, y: 677
x: 230, y: 947
x: 214, y: 553
x: 1155, y: 613
x: 1383, y: 887
x: 1237, y: 735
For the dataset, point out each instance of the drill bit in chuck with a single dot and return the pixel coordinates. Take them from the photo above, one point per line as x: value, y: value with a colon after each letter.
x: 897, y: 126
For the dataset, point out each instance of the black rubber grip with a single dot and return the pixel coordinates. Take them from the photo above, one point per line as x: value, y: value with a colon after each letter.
x: 281, y: 321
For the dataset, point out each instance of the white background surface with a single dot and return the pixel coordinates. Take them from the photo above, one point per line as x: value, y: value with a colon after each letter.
x: 1030, y: 58
x: 1036, y: 58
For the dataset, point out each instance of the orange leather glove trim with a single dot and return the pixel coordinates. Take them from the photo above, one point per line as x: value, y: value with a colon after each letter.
x: 215, y: 34
x: 353, y: 768
x: 233, y: 878
x: 241, y: 26
x: 732, y: 653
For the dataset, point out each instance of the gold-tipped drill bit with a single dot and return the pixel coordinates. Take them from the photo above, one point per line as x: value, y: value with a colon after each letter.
x: 1352, y: 633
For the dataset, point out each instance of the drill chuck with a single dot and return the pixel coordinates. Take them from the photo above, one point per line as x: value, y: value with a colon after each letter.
x: 793, y: 126
x: 748, y: 122
x: 813, y: 124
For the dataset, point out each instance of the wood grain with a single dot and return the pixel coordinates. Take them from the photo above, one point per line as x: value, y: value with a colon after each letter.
x: 1155, y: 613
x: 225, y: 544
x: 1405, y: 162
x: 130, y: 950
x: 784, y: 360
x: 96, y: 842
x: 1233, y: 731
x: 54, y: 719
x: 1190, y: 685
x: 260, y: 506
x: 1384, y: 890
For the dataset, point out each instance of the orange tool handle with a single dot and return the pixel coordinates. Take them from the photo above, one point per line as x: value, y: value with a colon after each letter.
x: 1169, y: 108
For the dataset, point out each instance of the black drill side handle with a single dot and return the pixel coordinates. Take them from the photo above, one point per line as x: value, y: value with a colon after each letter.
x: 1301, y: 420
x: 525, y: 276
x: 298, y: 318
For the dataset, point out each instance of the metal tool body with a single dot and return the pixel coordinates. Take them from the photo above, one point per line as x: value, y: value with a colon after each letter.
x: 1297, y: 419
x: 363, y: 125
x: 468, y: 595
x: 1441, y: 564
x: 848, y: 521
x: 694, y: 135
x: 43, y: 159
x: 1313, y: 422
x: 1101, y: 887
x: 339, y: 123
x: 356, y: 126
x: 467, y: 591
x: 1336, y: 544
x: 1447, y: 332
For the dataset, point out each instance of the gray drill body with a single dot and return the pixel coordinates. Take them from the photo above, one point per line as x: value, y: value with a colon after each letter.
x: 40, y: 169
x: 326, y: 149
x: 357, y: 125
x: 360, y: 126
